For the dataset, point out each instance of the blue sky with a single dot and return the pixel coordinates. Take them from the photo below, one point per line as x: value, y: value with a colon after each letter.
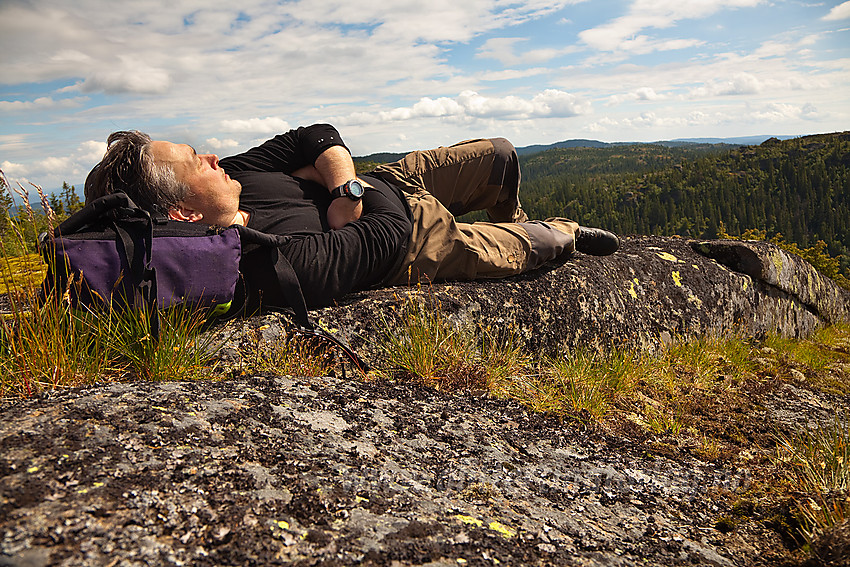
x: 407, y: 74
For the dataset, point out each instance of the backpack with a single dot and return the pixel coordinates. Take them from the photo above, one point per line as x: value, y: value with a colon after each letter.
x: 111, y: 254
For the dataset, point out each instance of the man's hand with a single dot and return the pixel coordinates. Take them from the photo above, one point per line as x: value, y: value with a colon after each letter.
x: 343, y: 211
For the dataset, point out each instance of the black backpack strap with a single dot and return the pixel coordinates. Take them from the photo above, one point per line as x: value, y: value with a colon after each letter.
x: 95, y: 211
x: 287, y: 280
x: 129, y: 232
x: 290, y: 289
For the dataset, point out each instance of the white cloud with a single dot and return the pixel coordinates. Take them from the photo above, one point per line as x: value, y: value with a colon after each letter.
x: 623, y: 34
x: 214, y: 74
x: 434, y: 21
x: 783, y: 112
x: 268, y: 125
x: 91, y: 151
x: 840, y: 12
x: 502, y: 50
x: 128, y: 77
x: 217, y: 144
x: 75, y: 164
x: 469, y: 105
x: 13, y: 169
x: 640, y: 94
x: 513, y: 74
x: 740, y: 84
x: 651, y: 121
x: 41, y: 103
x: 773, y: 49
x: 54, y: 165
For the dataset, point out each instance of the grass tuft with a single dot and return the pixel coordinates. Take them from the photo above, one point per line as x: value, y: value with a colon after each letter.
x: 816, y: 463
x: 292, y: 356
x: 423, y: 345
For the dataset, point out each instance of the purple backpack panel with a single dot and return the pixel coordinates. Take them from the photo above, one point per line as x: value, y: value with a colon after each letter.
x: 201, y: 270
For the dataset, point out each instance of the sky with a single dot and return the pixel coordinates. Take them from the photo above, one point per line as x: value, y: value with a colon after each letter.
x: 407, y: 74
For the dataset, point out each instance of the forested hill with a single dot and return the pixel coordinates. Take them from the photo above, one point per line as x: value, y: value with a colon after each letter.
x: 799, y: 188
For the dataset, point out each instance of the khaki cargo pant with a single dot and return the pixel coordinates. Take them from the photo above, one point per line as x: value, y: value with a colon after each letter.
x: 450, y: 181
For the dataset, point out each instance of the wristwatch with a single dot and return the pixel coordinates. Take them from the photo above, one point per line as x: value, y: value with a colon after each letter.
x: 353, y: 189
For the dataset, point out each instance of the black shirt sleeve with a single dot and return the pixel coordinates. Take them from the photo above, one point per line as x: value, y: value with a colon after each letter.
x: 286, y: 152
x: 328, y: 263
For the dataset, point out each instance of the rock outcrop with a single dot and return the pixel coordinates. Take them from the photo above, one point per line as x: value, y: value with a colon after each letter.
x: 652, y: 291
x: 322, y: 471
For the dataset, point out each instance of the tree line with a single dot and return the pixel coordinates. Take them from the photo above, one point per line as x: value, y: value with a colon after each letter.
x: 797, y: 190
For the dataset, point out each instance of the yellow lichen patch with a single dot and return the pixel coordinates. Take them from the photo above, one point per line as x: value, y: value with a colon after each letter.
x: 502, y: 529
x: 776, y: 258
x: 283, y: 524
x: 632, y: 291
x: 696, y: 301
x: 667, y: 256
x: 469, y: 520
x: 677, y: 279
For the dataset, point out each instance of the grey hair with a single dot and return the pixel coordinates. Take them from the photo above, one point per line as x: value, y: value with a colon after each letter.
x: 128, y: 167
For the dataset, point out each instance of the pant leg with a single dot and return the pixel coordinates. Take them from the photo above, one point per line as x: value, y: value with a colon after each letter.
x: 443, y: 249
x: 473, y: 175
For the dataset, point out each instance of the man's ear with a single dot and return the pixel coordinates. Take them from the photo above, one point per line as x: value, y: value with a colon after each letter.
x: 183, y: 213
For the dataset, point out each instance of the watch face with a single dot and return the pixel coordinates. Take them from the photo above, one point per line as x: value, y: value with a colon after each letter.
x: 355, y: 189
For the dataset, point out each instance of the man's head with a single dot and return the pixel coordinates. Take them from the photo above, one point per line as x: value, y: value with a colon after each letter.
x: 213, y: 197
x: 165, y: 178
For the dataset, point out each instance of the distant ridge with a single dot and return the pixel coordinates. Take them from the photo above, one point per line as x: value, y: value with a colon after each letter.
x: 742, y: 140
x: 386, y: 157
x: 526, y: 150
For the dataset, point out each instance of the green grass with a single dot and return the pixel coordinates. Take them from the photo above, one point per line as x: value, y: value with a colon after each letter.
x: 20, y: 273
x: 293, y: 355
x: 423, y: 345
x: 698, y: 396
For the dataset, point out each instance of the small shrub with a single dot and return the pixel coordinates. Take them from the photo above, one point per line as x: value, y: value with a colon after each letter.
x: 425, y: 346
x: 420, y: 343
x: 179, y: 352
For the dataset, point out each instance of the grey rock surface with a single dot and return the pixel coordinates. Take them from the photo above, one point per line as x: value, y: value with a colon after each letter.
x: 273, y: 471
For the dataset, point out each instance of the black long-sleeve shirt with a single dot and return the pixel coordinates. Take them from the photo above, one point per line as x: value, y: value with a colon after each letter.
x: 328, y: 263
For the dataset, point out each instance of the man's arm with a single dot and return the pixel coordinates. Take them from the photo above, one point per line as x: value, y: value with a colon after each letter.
x: 334, y: 166
x: 316, y: 153
x: 288, y: 152
x: 361, y: 254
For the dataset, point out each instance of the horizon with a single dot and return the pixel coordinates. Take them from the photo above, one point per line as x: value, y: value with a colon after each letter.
x: 733, y: 141
x: 410, y: 76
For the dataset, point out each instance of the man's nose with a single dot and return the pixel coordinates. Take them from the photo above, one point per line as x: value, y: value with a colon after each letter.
x: 212, y: 159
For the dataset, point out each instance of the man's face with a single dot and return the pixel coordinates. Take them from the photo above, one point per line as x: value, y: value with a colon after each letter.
x: 213, y: 197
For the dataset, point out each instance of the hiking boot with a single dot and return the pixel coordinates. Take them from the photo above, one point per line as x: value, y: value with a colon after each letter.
x: 596, y: 241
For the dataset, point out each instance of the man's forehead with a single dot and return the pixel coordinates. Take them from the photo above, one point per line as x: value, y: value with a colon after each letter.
x: 171, y: 152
